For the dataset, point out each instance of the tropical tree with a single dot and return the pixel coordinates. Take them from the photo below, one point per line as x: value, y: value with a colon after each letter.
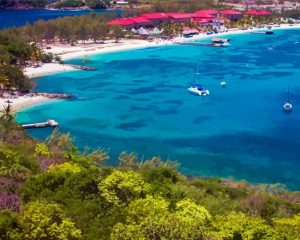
x: 121, y: 187
x: 46, y: 221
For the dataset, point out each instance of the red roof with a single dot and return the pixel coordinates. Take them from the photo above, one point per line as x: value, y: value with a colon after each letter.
x: 180, y: 15
x: 140, y: 20
x: 206, y: 12
x: 121, y: 21
x: 153, y: 16
x: 258, y: 12
x: 231, y: 12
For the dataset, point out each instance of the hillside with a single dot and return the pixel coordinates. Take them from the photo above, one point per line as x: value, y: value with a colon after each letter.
x: 53, y: 190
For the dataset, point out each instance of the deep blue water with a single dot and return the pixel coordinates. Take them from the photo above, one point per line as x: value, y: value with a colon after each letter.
x: 138, y: 101
x: 10, y: 18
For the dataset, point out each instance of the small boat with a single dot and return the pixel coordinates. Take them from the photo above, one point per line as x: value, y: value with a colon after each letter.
x: 220, y: 42
x: 197, y: 89
x: 287, y: 106
x: 223, y: 84
x: 269, y: 32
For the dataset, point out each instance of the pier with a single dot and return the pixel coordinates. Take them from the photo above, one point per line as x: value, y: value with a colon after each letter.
x: 49, y: 123
x: 195, y: 44
x: 265, y: 32
x: 85, y: 68
x: 55, y: 95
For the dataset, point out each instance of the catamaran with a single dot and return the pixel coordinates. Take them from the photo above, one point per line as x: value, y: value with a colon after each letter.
x: 197, y: 89
x: 287, y: 106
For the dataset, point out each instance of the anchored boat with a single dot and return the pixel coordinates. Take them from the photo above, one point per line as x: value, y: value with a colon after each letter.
x: 287, y: 106
x: 197, y: 89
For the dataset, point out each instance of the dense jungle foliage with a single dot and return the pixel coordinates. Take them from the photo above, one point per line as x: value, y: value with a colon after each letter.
x: 53, y: 190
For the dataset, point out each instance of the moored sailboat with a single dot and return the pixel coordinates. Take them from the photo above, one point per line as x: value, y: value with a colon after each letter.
x: 287, y: 106
x: 197, y: 89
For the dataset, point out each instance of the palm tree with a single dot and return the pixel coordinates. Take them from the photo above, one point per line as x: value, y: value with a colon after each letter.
x: 8, y: 126
x: 7, y: 113
x: 3, y: 82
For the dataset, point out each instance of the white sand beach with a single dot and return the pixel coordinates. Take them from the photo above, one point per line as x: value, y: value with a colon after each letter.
x: 46, y: 69
x: 69, y: 52
x: 22, y: 102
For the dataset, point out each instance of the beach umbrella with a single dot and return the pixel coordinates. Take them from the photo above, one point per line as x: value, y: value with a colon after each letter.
x: 134, y: 30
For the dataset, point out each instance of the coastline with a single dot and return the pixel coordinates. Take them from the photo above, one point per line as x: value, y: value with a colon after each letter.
x: 23, y: 102
x: 67, y: 53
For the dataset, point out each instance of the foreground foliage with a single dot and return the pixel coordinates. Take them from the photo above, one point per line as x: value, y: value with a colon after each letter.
x: 52, y: 190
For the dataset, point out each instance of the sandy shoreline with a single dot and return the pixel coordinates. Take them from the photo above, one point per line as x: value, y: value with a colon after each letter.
x: 68, y: 52
x: 23, y: 102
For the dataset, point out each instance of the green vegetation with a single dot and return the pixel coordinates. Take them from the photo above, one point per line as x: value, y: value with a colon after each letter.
x: 20, y: 47
x: 14, y: 52
x: 52, y: 190
x: 71, y: 29
x: 250, y: 21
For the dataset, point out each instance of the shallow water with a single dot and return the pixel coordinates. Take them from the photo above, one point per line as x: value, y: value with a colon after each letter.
x: 138, y: 101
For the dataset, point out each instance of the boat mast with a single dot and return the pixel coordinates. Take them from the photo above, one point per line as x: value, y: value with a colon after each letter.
x: 197, y: 74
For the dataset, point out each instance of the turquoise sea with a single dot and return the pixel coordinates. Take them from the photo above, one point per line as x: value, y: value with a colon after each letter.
x: 138, y: 101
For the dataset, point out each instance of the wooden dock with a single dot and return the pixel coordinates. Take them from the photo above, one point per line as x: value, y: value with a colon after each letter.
x: 49, y: 123
x: 85, y: 68
x: 195, y: 44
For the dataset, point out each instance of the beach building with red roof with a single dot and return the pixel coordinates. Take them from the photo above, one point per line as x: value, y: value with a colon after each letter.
x: 205, y: 16
x: 156, y: 18
x: 180, y: 17
x: 206, y: 13
x: 141, y: 21
x: 231, y: 15
x: 124, y: 22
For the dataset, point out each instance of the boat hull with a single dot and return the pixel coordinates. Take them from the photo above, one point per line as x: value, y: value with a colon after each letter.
x: 198, y: 92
